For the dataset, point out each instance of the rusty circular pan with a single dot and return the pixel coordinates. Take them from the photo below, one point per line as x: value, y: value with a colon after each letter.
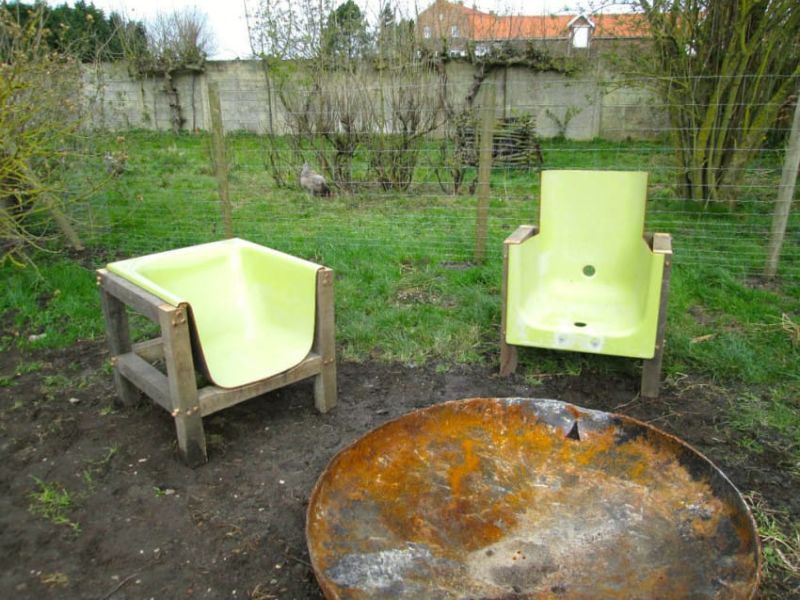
x: 525, y: 498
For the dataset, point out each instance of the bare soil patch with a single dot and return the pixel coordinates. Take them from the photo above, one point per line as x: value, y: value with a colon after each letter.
x: 149, y: 527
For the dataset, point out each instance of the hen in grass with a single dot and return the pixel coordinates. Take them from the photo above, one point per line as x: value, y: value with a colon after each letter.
x: 314, y: 183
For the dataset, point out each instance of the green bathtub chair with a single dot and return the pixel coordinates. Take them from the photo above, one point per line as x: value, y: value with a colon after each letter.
x: 588, y: 279
x: 248, y: 318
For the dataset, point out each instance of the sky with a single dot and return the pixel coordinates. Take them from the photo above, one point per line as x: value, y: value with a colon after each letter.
x: 227, y: 17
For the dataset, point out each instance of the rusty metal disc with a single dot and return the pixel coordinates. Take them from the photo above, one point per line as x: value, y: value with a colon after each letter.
x: 523, y: 498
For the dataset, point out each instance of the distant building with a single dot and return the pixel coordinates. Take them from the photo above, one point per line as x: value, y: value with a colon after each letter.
x: 454, y: 27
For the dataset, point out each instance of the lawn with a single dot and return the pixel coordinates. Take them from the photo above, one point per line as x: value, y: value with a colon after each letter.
x: 408, y: 291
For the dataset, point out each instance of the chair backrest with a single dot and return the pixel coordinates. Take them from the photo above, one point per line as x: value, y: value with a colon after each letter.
x: 593, y: 218
x: 580, y: 207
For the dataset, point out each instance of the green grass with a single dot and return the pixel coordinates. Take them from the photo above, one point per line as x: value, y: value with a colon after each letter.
x: 60, y: 301
x: 405, y: 286
x: 780, y: 540
x: 769, y: 419
x: 52, y: 501
x: 747, y: 341
x: 97, y: 467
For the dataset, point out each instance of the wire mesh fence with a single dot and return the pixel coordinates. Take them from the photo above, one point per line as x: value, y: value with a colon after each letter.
x: 403, y: 169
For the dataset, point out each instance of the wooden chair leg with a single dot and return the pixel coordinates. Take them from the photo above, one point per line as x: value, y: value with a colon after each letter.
x: 325, y: 389
x: 651, y: 375
x: 174, y: 323
x: 119, y: 342
x: 325, y: 342
x: 651, y: 370
x: 508, y: 353
x: 508, y: 358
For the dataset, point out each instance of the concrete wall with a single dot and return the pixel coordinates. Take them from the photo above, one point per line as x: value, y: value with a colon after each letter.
x: 581, y: 107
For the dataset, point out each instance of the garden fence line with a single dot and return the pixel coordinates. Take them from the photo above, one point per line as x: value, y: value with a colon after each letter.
x: 404, y: 174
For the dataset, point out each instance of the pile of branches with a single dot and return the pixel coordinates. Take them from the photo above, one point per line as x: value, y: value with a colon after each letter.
x: 514, y: 142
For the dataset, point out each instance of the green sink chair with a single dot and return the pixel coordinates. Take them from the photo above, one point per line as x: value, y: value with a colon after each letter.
x: 588, y: 279
x: 249, y: 319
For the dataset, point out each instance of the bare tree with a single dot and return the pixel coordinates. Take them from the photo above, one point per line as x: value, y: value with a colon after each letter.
x: 724, y: 68
x: 170, y: 43
x: 179, y: 39
x: 282, y: 32
x: 286, y: 29
x: 377, y: 102
x: 408, y: 105
x: 40, y: 114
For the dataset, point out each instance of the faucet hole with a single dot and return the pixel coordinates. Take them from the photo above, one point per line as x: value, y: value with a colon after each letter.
x: 589, y: 270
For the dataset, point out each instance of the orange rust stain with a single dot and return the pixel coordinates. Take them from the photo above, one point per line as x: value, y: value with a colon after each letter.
x: 467, y: 467
x: 599, y: 444
x: 398, y: 472
x: 458, y: 478
x: 742, y: 526
x: 574, y: 411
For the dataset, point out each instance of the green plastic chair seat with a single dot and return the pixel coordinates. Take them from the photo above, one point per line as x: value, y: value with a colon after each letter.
x: 252, y: 308
x: 588, y: 281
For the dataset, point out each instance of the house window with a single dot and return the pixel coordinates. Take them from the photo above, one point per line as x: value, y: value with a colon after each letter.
x: 454, y: 31
x: 580, y: 37
x: 426, y: 32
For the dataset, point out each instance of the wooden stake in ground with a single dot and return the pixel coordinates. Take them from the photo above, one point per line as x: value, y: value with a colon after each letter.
x: 484, y: 171
x: 783, y: 204
x: 220, y: 161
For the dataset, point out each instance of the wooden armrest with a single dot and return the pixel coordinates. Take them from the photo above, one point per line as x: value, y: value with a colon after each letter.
x: 522, y: 233
x: 130, y: 294
x: 662, y: 243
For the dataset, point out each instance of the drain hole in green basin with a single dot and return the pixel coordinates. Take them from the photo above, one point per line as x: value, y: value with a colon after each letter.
x: 579, y: 324
x: 589, y: 270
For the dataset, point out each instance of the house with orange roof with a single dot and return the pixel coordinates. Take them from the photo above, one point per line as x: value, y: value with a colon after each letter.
x: 454, y: 27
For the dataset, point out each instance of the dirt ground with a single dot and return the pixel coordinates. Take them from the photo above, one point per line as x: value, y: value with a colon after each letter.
x: 149, y: 527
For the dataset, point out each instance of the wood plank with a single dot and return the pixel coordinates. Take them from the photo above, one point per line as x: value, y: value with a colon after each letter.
x: 119, y: 342
x: 213, y: 398
x: 325, y: 342
x: 220, y: 162
x: 508, y: 353
x: 651, y: 369
x: 662, y: 243
x: 130, y: 294
x: 174, y: 323
x: 484, y: 171
x: 150, y: 350
x: 145, y: 377
x: 522, y: 233
x: 783, y: 203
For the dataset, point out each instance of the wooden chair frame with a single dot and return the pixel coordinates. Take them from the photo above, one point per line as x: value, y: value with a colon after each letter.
x: 660, y: 243
x: 177, y: 391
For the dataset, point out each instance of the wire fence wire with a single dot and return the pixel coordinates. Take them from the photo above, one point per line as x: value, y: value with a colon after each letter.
x: 403, y: 176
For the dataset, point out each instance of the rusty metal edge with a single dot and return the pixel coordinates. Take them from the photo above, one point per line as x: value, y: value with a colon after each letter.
x: 735, y: 490
x: 330, y: 593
